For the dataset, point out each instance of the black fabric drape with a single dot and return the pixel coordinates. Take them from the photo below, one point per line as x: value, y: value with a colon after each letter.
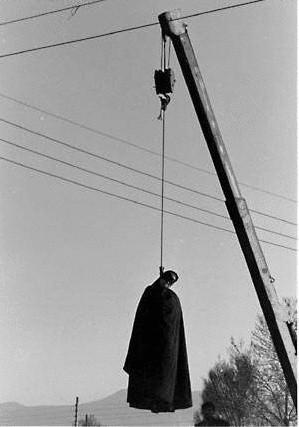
x: 157, y: 358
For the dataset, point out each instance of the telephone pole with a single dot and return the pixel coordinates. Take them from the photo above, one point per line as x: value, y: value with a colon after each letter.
x: 76, y: 411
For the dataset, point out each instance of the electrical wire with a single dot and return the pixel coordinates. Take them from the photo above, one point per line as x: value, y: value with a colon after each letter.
x: 117, y: 196
x: 97, y: 36
x: 39, y: 15
x: 233, y: 6
x: 271, y: 193
x: 146, y: 25
x: 109, y: 160
x: 30, y: 150
x: 275, y: 232
x: 155, y: 153
x: 107, y: 192
x: 272, y: 216
x: 79, y: 5
x: 123, y: 30
x: 81, y: 150
x: 125, y: 166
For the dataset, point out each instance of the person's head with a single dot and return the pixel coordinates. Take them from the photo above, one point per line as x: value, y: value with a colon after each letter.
x: 168, y: 278
x: 208, y: 410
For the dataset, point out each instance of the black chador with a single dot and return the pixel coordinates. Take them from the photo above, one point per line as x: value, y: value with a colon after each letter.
x: 157, y: 358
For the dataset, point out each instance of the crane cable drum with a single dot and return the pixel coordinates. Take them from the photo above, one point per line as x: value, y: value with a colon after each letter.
x: 164, y: 84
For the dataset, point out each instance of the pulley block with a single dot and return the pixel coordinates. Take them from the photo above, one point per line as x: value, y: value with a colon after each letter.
x: 164, y: 81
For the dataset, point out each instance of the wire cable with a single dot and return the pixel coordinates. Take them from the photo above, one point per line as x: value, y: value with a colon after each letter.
x: 155, y: 153
x: 79, y: 5
x: 123, y: 30
x: 106, y: 192
x: 120, y: 140
x: 233, y: 6
x: 97, y: 36
x: 30, y: 150
x: 81, y: 150
x: 106, y: 159
x: 271, y: 193
x: 39, y: 15
x: 273, y: 217
x: 124, y: 166
x: 131, y: 200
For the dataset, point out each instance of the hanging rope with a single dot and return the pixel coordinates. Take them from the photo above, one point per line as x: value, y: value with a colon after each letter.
x: 164, y: 81
x: 162, y: 190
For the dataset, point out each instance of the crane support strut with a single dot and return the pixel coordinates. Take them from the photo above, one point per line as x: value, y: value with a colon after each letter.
x: 274, y: 312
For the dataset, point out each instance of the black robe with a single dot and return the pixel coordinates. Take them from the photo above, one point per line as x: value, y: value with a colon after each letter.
x: 157, y: 358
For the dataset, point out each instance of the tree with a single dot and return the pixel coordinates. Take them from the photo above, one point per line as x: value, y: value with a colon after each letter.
x: 89, y: 420
x: 230, y: 385
x: 250, y: 388
x: 274, y: 404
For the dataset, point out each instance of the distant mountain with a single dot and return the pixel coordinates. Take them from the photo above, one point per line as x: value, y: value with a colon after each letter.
x: 110, y: 411
x: 10, y: 406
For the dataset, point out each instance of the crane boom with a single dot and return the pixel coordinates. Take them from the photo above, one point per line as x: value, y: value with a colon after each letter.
x: 275, y: 314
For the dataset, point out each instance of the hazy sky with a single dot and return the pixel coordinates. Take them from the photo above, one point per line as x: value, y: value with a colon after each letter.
x: 74, y: 261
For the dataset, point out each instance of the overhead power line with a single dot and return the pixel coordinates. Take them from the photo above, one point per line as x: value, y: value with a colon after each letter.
x: 134, y: 186
x: 123, y: 30
x: 51, y: 12
x: 91, y: 3
x: 232, y: 6
x: 106, y: 192
x: 273, y: 217
x: 121, y: 164
x: 30, y: 150
x: 138, y: 147
x: 271, y: 193
x: 117, y: 196
x: 106, y: 159
x: 97, y: 36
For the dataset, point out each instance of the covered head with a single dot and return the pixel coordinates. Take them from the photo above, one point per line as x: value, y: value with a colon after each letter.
x: 169, y: 276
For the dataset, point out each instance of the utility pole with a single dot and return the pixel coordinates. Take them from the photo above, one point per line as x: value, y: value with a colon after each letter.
x: 76, y: 411
x: 275, y: 315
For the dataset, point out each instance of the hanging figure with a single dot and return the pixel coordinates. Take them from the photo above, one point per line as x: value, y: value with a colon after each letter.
x: 157, y: 362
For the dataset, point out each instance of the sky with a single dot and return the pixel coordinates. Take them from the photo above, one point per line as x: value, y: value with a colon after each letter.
x: 75, y: 260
